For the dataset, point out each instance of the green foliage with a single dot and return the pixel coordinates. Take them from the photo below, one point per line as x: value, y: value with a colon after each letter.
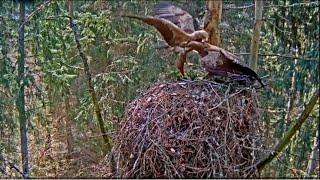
x: 8, y: 85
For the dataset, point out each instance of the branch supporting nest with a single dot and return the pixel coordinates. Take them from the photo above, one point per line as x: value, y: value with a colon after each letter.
x: 193, y: 129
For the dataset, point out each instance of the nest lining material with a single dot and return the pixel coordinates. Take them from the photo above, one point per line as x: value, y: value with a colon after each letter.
x: 197, y: 129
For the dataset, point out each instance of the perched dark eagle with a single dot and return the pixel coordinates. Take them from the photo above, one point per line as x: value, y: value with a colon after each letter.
x: 176, y: 27
x: 217, y: 61
x: 176, y: 15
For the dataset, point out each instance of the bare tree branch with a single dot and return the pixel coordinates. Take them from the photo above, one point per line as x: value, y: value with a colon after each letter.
x: 316, y: 3
x: 10, y: 164
x: 97, y: 109
x: 39, y: 8
x: 284, y: 56
x: 295, y: 4
x: 14, y: 166
x: 239, y: 7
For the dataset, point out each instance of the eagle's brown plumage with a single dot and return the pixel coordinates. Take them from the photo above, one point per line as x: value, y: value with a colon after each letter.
x: 176, y: 15
x: 170, y: 32
x: 176, y: 27
x: 217, y: 61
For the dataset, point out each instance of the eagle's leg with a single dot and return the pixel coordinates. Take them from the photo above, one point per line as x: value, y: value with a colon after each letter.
x: 182, y: 59
x: 180, y: 62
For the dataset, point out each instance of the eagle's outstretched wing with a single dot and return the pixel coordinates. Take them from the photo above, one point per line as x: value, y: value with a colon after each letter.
x: 176, y: 15
x: 170, y: 32
x: 176, y: 27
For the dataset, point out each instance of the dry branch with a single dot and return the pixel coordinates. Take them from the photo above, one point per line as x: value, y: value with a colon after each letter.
x: 88, y: 75
x: 283, y: 56
x: 275, y: 6
x: 39, y: 8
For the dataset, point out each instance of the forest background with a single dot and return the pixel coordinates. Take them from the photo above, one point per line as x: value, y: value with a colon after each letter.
x: 49, y: 122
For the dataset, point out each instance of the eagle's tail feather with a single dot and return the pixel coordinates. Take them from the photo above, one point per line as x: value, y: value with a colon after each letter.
x: 251, y: 73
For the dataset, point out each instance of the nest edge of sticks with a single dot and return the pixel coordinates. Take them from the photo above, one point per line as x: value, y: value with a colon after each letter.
x: 190, y: 129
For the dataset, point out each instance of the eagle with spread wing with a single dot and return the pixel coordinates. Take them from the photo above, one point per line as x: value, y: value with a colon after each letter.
x: 176, y: 27
x: 217, y: 61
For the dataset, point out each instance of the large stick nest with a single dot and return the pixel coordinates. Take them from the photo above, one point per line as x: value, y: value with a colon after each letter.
x: 197, y: 129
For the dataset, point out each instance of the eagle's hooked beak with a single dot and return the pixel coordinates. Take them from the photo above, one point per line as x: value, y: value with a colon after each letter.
x: 206, y: 39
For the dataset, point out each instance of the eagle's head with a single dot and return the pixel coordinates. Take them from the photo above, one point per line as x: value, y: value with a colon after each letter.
x: 200, y: 35
x: 198, y: 46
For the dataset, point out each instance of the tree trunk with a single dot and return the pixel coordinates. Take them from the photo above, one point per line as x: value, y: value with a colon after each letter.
x: 92, y: 92
x: 68, y: 123
x: 2, y: 164
x: 48, y: 125
x: 293, y: 93
x: 314, y: 156
x: 20, y: 102
x: 256, y: 35
x: 212, y: 21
